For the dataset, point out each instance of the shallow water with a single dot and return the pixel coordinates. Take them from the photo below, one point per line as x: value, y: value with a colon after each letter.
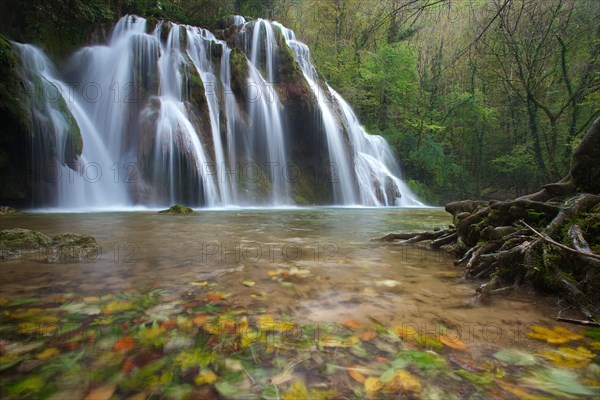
x: 313, y: 267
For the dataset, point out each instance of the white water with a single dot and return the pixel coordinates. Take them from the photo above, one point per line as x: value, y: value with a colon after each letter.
x: 154, y: 147
x: 373, y: 163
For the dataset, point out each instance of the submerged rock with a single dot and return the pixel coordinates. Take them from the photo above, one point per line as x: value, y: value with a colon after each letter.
x: 17, y: 241
x: 63, y: 248
x: 71, y: 247
x: 177, y: 209
x: 5, y: 210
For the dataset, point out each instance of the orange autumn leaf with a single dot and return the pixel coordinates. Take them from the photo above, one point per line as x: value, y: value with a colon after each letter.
x: 168, y: 324
x: 357, y: 376
x: 381, y: 359
x: 128, y: 365
x: 124, y: 344
x: 352, y: 323
x: 453, y: 343
x: 367, y: 335
x: 215, y: 296
x: 200, y: 319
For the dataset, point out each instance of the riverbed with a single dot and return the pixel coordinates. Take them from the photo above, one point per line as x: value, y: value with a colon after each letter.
x: 348, y: 317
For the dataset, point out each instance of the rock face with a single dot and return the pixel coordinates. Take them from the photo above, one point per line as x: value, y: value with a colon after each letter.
x: 16, y: 128
x: 63, y: 248
x: 585, y: 166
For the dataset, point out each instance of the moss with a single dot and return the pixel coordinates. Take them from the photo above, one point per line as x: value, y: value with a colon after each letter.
x: 19, y: 238
x: 73, y: 142
x: 16, y: 127
x: 71, y: 247
x: 194, y: 87
x: 177, y: 209
x: 239, y: 73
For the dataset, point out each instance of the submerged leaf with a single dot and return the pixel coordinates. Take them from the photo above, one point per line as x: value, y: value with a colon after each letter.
x: 453, y: 343
x: 297, y: 390
x: 405, y: 381
x: 557, y: 381
x: 372, y: 385
x: 357, y: 376
x: 51, y: 352
x: 118, y: 306
x: 205, y: 377
x: 516, y: 357
x: 566, y: 357
x: 558, y: 335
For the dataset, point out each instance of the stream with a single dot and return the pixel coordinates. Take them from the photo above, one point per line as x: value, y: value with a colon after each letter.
x: 288, y: 303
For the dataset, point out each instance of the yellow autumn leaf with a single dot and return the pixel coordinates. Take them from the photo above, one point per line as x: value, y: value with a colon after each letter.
x: 406, y: 332
x: 118, y: 306
x: 372, y: 385
x: 519, y: 392
x: 567, y: 357
x: 595, y: 346
x: 205, y: 377
x: 558, y: 335
x: 248, y: 338
x: 48, y: 319
x: 249, y: 283
x: 28, y: 327
x: 297, y: 390
x: 152, y: 332
x: 338, y: 342
x: 51, y: 352
x: 204, y: 283
x: 405, y: 381
x: 268, y: 323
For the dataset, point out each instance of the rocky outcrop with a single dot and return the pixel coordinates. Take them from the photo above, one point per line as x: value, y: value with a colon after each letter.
x: 16, y: 129
x: 64, y: 248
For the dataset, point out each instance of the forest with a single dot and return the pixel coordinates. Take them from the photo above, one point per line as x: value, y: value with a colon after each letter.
x: 479, y: 99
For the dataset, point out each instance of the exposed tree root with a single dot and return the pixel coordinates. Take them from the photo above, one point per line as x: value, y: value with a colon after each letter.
x: 546, y: 239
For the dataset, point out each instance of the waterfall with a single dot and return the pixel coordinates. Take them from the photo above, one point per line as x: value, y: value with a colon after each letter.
x: 172, y: 113
x: 374, y: 166
x: 58, y: 115
x: 265, y: 108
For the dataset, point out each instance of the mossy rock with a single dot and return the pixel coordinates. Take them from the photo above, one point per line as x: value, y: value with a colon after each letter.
x: 23, y: 238
x: 5, y: 210
x: 239, y: 73
x: 16, y: 127
x: 177, y: 209
x: 72, y: 248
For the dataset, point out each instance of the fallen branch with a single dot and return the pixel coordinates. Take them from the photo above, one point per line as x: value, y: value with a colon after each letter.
x: 579, y: 321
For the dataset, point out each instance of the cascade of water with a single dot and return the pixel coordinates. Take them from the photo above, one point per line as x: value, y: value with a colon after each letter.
x: 199, y: 46
x: 342, y: 179
x: 375, y: 168
x: 266, y: 111
x: 375, y: 165
x: 137, y: 105
x: 82, y: 182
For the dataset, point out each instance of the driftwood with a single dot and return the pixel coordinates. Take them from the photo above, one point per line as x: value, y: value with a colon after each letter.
x: 537, y: 239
